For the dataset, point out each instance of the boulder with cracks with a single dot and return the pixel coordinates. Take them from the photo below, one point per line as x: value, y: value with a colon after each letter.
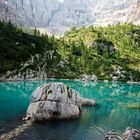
x: 56, y: 101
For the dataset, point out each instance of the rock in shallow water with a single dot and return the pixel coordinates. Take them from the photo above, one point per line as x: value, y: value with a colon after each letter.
x: 112, y: 135
x: 56, y: 101
x: 87, y: 78
x: 88, y: 102
x: 129, y: 134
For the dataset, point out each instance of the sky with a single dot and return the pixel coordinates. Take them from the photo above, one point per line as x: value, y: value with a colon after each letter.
x: 61, y: 1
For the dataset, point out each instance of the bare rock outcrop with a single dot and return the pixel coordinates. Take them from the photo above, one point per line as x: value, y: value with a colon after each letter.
x: 58, y: 16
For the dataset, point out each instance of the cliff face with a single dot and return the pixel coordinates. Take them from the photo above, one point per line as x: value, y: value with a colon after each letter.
x: 134, y: 12
x: 30, y: 12
x: 57, y: 16
x: 111, y: 12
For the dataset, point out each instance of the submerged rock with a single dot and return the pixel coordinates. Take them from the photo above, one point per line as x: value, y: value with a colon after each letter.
x: 88, y: 102
x: 55, y: 101
x: 113, y: 135
x: 133, y: 106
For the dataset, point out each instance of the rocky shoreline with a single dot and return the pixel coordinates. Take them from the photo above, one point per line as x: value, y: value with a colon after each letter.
x: 38, y: 79
x: 82, y: 77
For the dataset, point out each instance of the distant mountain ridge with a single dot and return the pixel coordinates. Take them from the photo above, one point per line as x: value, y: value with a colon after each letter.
x: 59, y: 16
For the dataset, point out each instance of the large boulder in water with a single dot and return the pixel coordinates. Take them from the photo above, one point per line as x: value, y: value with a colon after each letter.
x: 55, y: 101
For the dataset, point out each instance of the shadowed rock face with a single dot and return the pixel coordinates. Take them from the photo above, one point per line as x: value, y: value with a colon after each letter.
x: 59, y: 16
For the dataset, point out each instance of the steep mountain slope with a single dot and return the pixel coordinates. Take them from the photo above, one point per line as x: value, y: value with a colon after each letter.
x: 59, y: 16
x: 107, y: 52
x: 110, y: 51
x: 25, y: 56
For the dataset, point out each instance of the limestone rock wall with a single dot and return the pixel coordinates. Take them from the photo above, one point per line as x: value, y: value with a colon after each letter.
x: 59, y: 16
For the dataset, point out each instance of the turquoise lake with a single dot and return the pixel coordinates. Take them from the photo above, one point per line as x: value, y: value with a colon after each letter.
x: 118, y: 106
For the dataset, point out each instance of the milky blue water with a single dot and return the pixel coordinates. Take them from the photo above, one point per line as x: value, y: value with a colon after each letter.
x: 113, y: 111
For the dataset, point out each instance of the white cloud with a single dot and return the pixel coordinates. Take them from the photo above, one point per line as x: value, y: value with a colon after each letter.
x: 61, y: 1
x: 6, y: 2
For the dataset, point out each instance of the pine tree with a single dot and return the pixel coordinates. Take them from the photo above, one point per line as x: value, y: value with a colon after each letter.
x: 35, y: 32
